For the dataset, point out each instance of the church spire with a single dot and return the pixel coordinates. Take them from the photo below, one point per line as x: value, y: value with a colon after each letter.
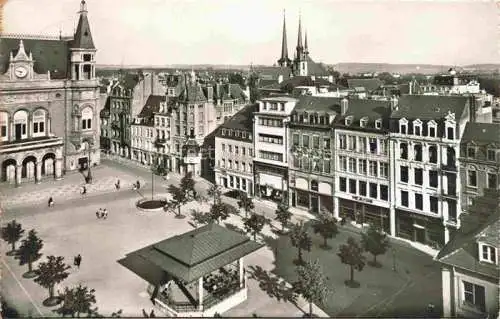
x: 299, y: 36
x: 83, y: 37
x: 284, y: 60
x: 306, y: 50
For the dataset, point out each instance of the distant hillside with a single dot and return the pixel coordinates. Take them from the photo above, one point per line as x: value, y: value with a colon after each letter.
x: 354, y: 68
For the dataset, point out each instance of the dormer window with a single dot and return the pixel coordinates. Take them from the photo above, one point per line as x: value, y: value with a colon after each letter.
x: 471, y: 152
x: 491, y: 155
x: 417, y: 127
x: 363, y: 122
x: 378, y: 124
x: 431, y: 129
x: 488, y: 253
x: 223, y: 132
x: 348, y: 121
x: 403, y: 126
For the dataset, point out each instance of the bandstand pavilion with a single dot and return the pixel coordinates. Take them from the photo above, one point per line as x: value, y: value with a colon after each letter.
x: 195, y: 274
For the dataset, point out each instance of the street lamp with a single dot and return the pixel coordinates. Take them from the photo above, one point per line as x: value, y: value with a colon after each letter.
x: 393, y: 259
x: 89, y: 175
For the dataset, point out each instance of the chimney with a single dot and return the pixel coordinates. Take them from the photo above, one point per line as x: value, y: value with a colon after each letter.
x: 344, y: 105
x: 394, y: 103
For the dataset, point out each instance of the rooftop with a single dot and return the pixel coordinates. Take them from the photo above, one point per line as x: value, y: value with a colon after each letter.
x: 318, y: 104
x: 481, y: 133
x: 370, y: 84
x: 152, y: 105
x: 243, y: 120
x: 280, y: 99
x: 429, y: 107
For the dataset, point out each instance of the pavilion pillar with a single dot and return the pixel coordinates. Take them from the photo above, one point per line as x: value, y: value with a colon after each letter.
x: 200, y: 294
x: 241, y: 272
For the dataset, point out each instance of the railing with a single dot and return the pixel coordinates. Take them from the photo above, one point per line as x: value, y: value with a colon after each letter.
x: 183, y: 306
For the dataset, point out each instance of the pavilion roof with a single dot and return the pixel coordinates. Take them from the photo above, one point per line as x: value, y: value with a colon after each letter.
x: 196, y: 253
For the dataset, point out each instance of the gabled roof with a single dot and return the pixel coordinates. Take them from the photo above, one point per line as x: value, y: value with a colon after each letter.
x: 429, y: 107
x: 318, y: 104
x: 196, y: 253
x: 152, y: 105
x: 192, y: 93
x: 481, y: 133
x: 105, y: 112
x: 49, y: 55
x: 305, y: 81
x: 242, y: 120
x: 371, y: 110
x: 369, y: 84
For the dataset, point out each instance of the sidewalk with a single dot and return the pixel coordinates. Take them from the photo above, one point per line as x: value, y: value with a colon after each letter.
x: 29, y: 194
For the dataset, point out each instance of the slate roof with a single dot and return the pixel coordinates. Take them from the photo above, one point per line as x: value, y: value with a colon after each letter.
x: 192, y: 93
x: 305, y: 81
x: 372, y: 110
x: 105, y: 112
x: 369, y: 84
x: 462, y: 250
x: 481, y: 133
x: 152, y: 105
x: 429, y: 107
x: 198, y: 252
x: 318, y: 104
x: 242, y: 120
x: 49, y: 55
x: 232, y: 91
x: 83, y: 37
x: 314, y: 68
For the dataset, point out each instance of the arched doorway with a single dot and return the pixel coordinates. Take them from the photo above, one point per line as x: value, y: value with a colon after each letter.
x: 48, y: 164
x: 29, y: 167
x: 9, y: 170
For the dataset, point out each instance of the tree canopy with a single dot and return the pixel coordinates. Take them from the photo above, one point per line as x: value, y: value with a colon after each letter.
x: 375, y: 242
x: 311, y: 283
x: 11, y: 233
x: 300, y: 239
x: 245, y: 202
x: 352, y: 254
x: 326, y: 227
x: 283, y: 215
x: 51, y: 272
x: 29, y: 251
x: 254, y: 224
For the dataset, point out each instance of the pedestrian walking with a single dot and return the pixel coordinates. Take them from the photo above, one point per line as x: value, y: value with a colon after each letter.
x: 152, y: 314
x: 51, y: 202
x: 117, y: 185
x: 138, y: 184
x: 78, y: 260
x: 98, y: 215
x: 105, y: 213
x: 84, y: 190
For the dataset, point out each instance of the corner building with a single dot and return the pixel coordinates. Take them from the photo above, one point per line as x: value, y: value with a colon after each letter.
x: 49, y: 101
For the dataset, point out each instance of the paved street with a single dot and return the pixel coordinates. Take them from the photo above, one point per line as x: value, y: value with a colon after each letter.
x: 103, y: 242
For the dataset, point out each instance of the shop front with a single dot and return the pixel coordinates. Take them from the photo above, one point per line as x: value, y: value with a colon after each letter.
x: 271, y: 182
x: 419, y: 228
x: 362, y: 211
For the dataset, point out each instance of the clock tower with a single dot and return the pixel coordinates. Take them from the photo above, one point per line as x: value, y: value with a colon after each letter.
x: 21, y: 65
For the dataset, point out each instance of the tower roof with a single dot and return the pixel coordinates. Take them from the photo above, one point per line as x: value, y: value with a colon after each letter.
x: 305, y: 41
x: 83, y: 37
x: 284, y: 45
x: 299, y: 36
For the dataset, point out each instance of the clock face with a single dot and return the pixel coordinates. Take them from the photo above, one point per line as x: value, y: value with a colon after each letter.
x: 21, y: 71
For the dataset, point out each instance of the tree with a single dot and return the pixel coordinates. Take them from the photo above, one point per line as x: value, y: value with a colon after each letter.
x: 254, y: 224
x: 283, y: 215
x: 326, y: 227
x: 76, y: 301
x: 156, y: 168
x: 311, y: 284
x: 221, y: 211
x: 187, y: 186
x: 181, y: 195
x: 245, y: 203
x: 11, y: 233
x: 50, y: 273
x: 29, y: 251
x: 301, y: 240
x: 200, y: 218
x: 215, y: 192
x: 375, y: 242
x: 352, y: 255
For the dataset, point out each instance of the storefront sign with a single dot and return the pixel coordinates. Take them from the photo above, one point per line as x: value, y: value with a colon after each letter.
x: 362, y: 199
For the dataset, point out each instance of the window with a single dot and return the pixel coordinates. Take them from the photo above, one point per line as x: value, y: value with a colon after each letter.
x: 491, y: 155
x: 417, y: 129
x: 230, y: 148
x: 352, y: 186
x: 384, y: 192
x: 236, y: 150
x: 270, y: 122
x: 343, y: 184
x: 419, y: 202
x: 373, y: 145
x: 352, y: 143
x: 432, y: 131
x: 363, y: 122
x: 402, y: 128
x: 305, y: 140
x: 362, y: 188
x: 230, y: 164
x: 20, y: 122
x: 272, y: 139
x: 474, y: 296
x: 223, y: 147
x: 488, y: 254
x: 271, y: 156
x: 250, y: 151
x: 450, y: 133
x: 433, y: 154
x: 384, y: 170
x: 352, y: 165
x: 403, y: 150
x: 384, y: 147
x: 223, y: 163
x: 404, y: 198
x: 433, y: 178
x: 342, y: 163
x: 492, y: 181
x: 342, y: 142
x: 471, y: 152
x: 38, y: 123
x: 295, y: 139
x: 433, y: 204
x: 362, y: 166
x: 326, y: 165
x: 403, y: 171
x: 471, y: 178
x: 326, y: 143
x: 316, y: 141
x: 373, y: 168
x: 243, y: 151
x: 362, y: 144
x: 4, y: 121
x: 419, y: 176
x: 314, y: 185
x: 418, y: 152
x: 378, y: 124
x: 373, y: 190
x: 236, y: 165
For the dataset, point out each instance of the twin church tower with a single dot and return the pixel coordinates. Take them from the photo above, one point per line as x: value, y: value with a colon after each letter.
x: 301, y: 59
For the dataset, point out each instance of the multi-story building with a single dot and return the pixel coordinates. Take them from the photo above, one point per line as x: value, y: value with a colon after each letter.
x: 310, y: 150
x: 49, y: 104
x: 470, y: 263
x: 234, y: 152
x: 362, y: 184
x: 479, y: 160
x: 126, y: 99
x: 147, y: 131
x: 271, y: 147
x: 425, y: 141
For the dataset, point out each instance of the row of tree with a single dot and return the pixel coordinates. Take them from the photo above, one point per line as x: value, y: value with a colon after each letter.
x: 74, y: 301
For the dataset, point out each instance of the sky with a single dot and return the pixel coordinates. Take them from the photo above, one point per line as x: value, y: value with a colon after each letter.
x: 238, y: 32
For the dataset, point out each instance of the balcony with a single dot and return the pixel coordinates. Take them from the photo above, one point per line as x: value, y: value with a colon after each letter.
x: 160, y: 141
x: 450, y: 167
x: 115, y: 125
x: 29, y: 144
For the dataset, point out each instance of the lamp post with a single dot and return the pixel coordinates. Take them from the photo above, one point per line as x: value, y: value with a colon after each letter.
x: 89, y: 175
x: 393, y: 259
